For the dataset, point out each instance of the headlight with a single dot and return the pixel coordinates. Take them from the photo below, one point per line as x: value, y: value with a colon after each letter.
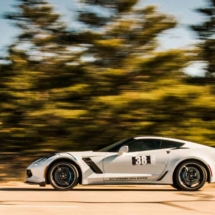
x: 43, y: 159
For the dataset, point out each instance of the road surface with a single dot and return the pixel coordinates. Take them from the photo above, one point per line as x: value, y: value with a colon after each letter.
x: 124, y: 200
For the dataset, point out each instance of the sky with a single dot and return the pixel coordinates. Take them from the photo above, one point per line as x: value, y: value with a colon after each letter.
x: 180, y: 37
x: 185, y: 13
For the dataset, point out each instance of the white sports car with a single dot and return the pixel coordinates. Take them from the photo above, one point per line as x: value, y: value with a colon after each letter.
x: 140, y: 160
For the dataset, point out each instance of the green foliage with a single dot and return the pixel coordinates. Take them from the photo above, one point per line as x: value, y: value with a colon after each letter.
x: 54, y: 98
x: 206, y: 32
x: 119, y: 5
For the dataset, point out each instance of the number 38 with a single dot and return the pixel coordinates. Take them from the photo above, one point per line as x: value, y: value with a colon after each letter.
x: 141, y: 160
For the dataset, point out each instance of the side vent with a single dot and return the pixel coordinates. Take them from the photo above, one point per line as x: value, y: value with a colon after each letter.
x: 92, y: 165
x: 162, y: 176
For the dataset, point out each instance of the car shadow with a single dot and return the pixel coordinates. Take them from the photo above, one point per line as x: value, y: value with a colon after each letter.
x: 87, y: 189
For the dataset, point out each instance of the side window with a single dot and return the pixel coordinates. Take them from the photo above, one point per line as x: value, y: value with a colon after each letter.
x: 116, y: 146
x: 144, y: 145
x: 170, y: 144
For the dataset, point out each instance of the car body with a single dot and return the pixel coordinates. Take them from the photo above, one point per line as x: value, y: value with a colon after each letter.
x: 139, y: 160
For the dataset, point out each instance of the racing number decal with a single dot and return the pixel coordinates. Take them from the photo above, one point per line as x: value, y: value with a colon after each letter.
x: 143, y: 160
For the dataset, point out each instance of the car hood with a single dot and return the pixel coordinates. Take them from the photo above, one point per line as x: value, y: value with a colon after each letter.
x: 84, y: 154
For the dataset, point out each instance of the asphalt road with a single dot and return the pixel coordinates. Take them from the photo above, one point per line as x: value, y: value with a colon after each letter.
x: 124, y: 200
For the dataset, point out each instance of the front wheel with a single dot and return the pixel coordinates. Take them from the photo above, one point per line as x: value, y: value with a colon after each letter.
x: 190, y: 176
x: 63, y: 176
x: 175, y: 186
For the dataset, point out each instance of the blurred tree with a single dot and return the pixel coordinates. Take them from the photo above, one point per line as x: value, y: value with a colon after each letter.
x: 126, y: 75
x: 204, y: 108
x: 37, y: 65
x: 206, y: 32
x: 69, y: 90
x: 136, y: 89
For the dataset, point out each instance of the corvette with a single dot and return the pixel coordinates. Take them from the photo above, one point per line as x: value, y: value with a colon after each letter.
x: 139, y: 160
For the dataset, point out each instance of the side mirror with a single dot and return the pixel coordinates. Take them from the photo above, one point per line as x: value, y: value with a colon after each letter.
x: 122, y: 150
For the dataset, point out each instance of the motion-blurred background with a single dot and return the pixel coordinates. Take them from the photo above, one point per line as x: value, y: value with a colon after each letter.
x: 102, y: 76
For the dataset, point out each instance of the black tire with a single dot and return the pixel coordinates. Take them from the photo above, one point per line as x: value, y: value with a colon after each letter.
x: 175, y: 186
x: 190, y: 176
x: 63, y: 176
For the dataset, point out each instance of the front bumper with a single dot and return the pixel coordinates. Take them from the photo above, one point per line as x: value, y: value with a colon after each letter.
x: 34, y: 180
x: 35, y: 176
x: 36, y: 172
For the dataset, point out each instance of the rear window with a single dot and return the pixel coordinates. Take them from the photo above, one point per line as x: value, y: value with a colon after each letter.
x: 170, y: 144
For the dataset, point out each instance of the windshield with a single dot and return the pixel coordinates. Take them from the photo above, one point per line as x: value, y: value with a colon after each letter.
x: 116, y: 146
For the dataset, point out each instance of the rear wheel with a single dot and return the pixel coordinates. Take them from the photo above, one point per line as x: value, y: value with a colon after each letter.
x: 190, y: 176
x: 63, y: 176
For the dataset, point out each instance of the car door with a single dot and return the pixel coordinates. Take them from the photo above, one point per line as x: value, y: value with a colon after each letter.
x: 144, y: 161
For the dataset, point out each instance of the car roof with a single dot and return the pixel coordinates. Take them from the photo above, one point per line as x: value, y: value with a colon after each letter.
x: 187, y: 143
x: 163, y: 138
